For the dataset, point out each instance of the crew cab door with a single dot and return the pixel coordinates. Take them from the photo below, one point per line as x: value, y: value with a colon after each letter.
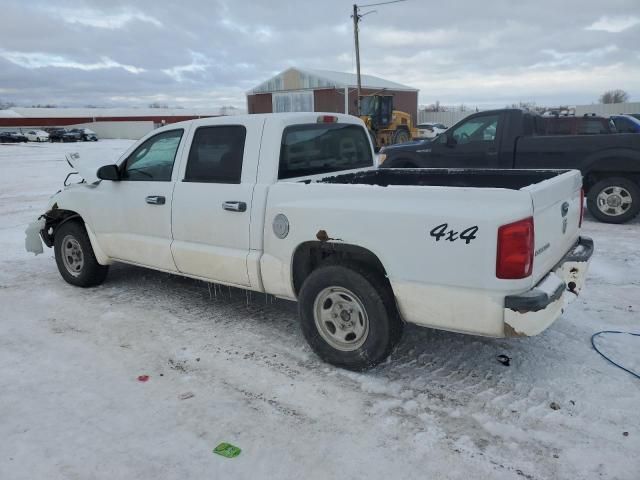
x: 132, y: 217
x: 212, y: 201
x: 470, y: 144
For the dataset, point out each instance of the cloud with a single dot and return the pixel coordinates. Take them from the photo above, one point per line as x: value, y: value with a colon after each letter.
x: 206, y: 52
x: 32, y: 60
x: 394, y: 37
x: 575, y: 58
x: 199, y: 63
x: 100, y: 19
x: 259, y: 33
x: 614, y: 24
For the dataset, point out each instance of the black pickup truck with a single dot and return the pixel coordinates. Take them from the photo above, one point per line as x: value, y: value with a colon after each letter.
x: 512, y: 138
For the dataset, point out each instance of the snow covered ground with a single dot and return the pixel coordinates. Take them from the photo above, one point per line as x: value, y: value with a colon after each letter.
x: 441, y: 407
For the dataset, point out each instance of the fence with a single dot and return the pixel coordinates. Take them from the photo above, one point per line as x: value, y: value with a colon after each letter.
x: 609, y: 108
x: 446, y: 118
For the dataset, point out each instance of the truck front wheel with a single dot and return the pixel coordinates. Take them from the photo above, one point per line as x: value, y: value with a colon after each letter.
x: 348, y: 316
x: 401, y: 136
x: 614, y: 200
x: 75, y: 258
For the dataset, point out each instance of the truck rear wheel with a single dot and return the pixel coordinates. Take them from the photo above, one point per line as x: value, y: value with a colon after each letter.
x: 614, y: 200
x: 75, y: 258
x: 348, y: 316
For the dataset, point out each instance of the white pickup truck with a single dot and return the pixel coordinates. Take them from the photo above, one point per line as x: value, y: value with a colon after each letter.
x: 293, y: 205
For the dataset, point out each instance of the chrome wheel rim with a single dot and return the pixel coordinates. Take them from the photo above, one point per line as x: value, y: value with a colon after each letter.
x: 72, y: 255
x: 614, y: 200
x: 341, y: 319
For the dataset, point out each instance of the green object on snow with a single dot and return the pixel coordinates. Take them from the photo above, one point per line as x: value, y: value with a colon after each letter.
x: 227, y: 450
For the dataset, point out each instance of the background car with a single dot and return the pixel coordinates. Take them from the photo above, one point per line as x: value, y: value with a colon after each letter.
x: 37, y: 136
x: 12, y: 137
x: 430, y: 130
x: 626, y: 123
x: 63, y: 135
x: 86, y: 134
x: 8, y: 137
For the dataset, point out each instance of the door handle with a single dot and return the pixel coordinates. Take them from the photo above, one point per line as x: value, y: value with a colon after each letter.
x: 235, y: 206
x: 492, y: 153
x: 155, y: 200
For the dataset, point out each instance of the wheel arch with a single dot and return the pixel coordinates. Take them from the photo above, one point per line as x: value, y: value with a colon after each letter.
x: 308, y: 256
x: 595, y: 175
x: 56, y: 217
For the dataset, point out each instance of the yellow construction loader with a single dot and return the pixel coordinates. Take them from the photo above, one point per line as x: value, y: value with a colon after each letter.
x: 386, y: 125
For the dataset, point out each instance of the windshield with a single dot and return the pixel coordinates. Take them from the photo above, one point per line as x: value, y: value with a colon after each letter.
x: 321, y: 148
x: 369, y: 105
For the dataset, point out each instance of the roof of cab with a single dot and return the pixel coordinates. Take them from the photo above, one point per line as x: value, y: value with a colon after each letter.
x: 286, y: 118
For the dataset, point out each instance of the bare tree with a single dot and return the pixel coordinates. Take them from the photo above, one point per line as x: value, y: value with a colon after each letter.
x: 434, y: 107
x: 6, y: 105
x: 614, y: 96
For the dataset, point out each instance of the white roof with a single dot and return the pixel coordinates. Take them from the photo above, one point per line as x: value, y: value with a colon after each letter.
x: 345, y: 79
x: 9, y: 114
x: 309, y: 78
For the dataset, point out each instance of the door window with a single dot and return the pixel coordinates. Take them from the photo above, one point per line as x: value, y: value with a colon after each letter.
x: 216, y: 155
x: 153, y: 160
x: 477, y: 129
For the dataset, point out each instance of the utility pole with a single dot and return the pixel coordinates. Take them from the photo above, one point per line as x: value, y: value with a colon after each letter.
x: 356, y: 19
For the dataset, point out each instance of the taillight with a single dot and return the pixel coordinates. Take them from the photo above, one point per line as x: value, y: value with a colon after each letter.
x: 581, y: 207
x: 515, y: 249
x: 327, y: 119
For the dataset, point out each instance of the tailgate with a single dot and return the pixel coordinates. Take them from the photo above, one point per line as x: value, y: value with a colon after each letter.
x: 556, y: 218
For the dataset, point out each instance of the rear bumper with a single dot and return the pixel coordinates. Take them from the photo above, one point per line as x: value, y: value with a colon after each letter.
x: 531, y: 312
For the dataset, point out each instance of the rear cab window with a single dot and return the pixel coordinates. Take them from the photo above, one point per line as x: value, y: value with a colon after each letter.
x: 593, y: 126
x: 312, y: 149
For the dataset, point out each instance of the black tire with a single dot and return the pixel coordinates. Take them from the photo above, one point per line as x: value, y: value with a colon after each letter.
x: 89, y: 272
x: 629, y: 191
x: 375, y: 296
x: 400, y: 136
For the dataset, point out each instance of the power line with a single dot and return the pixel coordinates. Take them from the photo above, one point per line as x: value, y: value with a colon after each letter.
x: 381, y: 3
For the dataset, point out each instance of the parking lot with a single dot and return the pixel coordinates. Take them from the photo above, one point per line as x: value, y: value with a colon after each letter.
x: 228, y: 365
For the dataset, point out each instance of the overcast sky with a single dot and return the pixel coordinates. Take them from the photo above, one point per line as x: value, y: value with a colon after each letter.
x: 209, y: 53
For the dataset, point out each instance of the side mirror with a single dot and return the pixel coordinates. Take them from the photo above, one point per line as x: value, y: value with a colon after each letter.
x: 108, y: 172
x: 451, y: 142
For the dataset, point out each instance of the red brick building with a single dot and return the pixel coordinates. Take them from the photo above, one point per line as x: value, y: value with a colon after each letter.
x: 308, y: 90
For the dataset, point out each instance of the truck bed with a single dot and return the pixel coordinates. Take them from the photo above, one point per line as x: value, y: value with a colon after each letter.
x: 445, y: 177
